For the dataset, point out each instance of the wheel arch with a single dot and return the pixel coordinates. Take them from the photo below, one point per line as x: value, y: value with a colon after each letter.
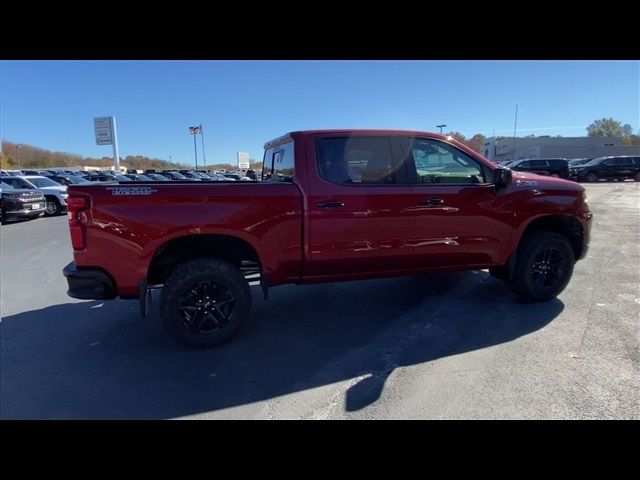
x: 178, y: 250
x: 565, y: 225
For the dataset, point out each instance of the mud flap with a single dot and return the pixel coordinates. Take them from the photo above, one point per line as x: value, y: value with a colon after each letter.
x: 144, y: 297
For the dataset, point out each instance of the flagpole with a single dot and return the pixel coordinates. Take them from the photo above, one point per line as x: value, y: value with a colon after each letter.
x: 204, y: 158
x: 195, y: 149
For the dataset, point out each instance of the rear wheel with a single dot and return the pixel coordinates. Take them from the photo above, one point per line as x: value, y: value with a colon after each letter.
x: 205, y: 302
x: 543, y: 267
x: 53, y: 207
x: 591, y: 177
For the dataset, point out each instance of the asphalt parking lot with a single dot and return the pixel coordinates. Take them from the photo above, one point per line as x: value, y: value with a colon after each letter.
x: 437, y: 346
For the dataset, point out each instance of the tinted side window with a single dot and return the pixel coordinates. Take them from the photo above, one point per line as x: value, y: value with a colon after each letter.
x: 558, y: 163
x: 438, y: 162
x: 538, y: 163
x: 623, y: 161
x: 279, y: 163
x: 356, y: 160
x: 17, y: 183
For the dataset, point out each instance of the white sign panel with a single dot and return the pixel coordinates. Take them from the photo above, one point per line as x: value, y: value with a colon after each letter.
x: 243, y: 160
x: 104, y: 134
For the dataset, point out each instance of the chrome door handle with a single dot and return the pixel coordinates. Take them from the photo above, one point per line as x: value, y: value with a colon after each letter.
x: 433, y: 201
x: 330, y: 204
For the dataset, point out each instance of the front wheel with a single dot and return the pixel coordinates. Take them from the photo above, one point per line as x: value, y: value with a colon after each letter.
x: 591, y: 177
x: 205, y: 302
x: 543, y: 267
x: 53, y: 207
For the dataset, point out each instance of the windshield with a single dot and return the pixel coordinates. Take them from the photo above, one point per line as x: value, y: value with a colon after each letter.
x: 122, y: 178
x: 5, y: 186
x: 514, y: 163
x: 41, y: 182
x: 179, y: 175
x: 578, y: 161
x: 157, y: 176
x: 594, y: 162
x: 75, y: 180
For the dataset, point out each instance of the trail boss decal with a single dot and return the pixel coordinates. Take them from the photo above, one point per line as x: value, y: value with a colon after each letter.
x: 131, y: 190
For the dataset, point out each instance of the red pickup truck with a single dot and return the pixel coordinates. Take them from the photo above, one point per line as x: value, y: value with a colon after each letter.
x: 333, y: 205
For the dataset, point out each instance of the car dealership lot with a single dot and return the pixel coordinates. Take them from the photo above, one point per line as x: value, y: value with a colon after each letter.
x: 453, y: 345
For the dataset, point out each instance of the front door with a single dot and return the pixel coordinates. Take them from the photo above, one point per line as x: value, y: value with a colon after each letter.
x: 458, y: 221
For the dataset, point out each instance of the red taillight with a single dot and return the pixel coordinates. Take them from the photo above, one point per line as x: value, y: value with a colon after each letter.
x: 76, y: 205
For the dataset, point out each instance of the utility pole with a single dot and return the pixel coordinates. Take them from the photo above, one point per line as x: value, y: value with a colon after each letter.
x: 204, y: 158
x: 19, y: 166
x: 194, y: 131
x: 515, y: 126
x: 441, y: 127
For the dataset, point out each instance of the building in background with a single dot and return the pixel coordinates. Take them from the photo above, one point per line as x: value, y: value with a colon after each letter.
x: 500, y: 149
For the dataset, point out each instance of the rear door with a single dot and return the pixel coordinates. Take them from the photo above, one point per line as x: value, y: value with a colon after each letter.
x: 541, y: 167
x: 607, y: 169
x: 359, y: 218
x: 458, y: 221
x: 624, y: 167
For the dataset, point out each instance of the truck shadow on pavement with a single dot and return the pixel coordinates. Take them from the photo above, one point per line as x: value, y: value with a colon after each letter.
x: 94, y: 360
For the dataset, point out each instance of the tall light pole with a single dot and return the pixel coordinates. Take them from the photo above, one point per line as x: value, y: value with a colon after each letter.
x: 194, y: 131
x: 515, y: 126
x: 19, y: 166
x: 204, y: 158
x: 441, y: 127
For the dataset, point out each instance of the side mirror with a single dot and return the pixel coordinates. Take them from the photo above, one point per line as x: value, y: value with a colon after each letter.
x: 502, y: 178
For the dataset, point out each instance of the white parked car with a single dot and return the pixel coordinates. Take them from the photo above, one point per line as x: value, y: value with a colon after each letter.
x: 54, y: 193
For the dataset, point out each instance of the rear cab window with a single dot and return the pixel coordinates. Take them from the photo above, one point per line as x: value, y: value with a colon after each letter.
x: 279, y: 162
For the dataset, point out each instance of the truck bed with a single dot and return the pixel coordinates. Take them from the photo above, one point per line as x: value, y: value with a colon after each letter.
x: 128, y: 223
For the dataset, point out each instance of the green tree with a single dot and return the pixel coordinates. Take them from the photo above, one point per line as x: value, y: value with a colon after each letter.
x: 458, y: 136
x: 608, y: 127
x: 477, y: 142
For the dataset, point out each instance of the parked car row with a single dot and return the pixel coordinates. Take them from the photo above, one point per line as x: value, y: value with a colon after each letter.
x: 69, y: 177
x: 33, y: 193
x: 581, y: 169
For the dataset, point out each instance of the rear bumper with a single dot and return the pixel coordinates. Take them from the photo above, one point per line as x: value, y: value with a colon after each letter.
x: 88, y: 284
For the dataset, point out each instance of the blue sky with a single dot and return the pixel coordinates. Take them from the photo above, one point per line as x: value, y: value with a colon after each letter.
x: 242, y: 104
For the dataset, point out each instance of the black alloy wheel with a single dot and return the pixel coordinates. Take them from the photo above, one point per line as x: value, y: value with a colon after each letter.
x: 207, y: 307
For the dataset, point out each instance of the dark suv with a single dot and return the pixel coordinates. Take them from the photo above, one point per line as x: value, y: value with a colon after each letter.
x: 18, y: 203
x: 552, y: 167
x: 608, y: 168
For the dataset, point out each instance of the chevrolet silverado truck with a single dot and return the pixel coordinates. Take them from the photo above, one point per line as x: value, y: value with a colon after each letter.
x: 333, y: 205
